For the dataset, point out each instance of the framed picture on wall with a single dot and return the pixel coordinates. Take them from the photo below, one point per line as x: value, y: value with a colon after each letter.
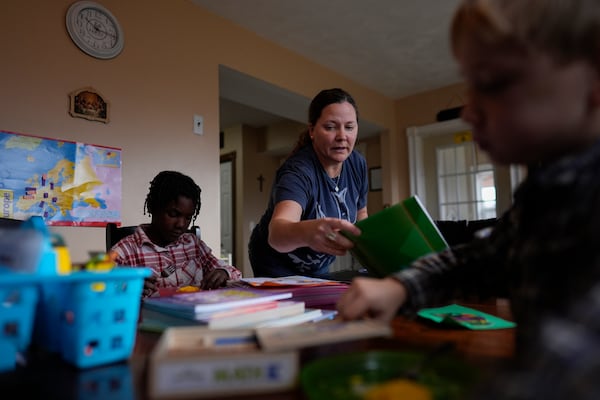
x: 374, y: 179
x: 89, y: 104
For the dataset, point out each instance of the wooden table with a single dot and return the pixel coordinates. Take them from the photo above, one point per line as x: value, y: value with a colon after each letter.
x: 51, y: 378
x: 478, y: 347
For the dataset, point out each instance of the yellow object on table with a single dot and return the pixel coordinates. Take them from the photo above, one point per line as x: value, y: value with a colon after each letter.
x: 186, y: 289
x: 398, y: 389
x: 100, y: 262
x: 63, y: 257
x: 63, y: 260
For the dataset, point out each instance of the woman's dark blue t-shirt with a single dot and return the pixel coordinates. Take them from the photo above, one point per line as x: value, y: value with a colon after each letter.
x: 302, y: 179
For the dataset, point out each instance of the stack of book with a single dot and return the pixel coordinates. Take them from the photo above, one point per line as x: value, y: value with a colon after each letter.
x: 244, y: 342
x: 314, y: 292
x: 233, y: 307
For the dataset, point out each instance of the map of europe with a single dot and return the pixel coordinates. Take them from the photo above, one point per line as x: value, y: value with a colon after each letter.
x: 66, y: 183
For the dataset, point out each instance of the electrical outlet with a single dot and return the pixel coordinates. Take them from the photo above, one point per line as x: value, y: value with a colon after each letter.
x: 198, y: 124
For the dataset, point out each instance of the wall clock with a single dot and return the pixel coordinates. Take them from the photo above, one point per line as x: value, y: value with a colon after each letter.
x: 94, y: 29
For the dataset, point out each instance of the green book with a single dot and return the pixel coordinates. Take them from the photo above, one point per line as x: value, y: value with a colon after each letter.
x: 396, y: 236
x: 465, y: 317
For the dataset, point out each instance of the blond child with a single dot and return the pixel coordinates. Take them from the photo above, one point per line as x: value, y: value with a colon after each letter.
x: 532, y: 70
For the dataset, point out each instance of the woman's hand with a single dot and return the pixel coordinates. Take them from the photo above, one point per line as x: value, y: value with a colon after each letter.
x: 214, y: 279
x: 372, y: 298
x: 325, y: 235
x: 287, y: 232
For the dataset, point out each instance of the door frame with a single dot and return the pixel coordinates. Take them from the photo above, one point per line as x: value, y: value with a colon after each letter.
x: 230, y: 157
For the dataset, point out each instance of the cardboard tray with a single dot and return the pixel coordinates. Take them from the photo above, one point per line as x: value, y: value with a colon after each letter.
x: 198, y: 362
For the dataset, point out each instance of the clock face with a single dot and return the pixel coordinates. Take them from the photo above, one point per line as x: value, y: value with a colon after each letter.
x: 94, y: 29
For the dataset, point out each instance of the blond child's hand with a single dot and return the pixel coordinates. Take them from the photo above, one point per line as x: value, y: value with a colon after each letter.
x: 379, y: 299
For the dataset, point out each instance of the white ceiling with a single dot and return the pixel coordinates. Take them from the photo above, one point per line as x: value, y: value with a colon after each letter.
x: 395, y: 47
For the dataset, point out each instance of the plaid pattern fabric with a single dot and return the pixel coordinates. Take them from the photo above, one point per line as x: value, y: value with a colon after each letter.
x: 181, y: 263
x: 544, y: 254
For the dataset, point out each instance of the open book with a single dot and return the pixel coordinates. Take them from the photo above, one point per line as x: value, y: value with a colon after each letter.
x: 396, y: 236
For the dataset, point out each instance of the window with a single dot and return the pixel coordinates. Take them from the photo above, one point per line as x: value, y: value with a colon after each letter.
x: 453, y: 178
x: 466, y: 186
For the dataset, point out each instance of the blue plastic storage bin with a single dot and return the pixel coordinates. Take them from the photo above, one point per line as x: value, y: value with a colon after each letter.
x: 112, y: 382
x: 18, y: 300
x: 91, y: 317
x: 45, y: 334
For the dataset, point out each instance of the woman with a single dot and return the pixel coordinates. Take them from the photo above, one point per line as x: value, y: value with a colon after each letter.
x: 320, y: 190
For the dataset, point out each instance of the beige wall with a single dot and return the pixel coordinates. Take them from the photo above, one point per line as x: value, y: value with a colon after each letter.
x: 375, y: 198
x: 167, y: 72
x: 256, y: 163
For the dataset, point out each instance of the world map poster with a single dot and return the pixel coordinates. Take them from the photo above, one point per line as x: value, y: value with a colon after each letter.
x: 66, y: 183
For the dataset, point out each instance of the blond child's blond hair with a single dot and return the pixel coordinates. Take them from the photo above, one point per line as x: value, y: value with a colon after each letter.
x: 566, y: 29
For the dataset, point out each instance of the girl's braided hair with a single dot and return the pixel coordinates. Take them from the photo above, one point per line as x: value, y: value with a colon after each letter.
x: 167, y: 186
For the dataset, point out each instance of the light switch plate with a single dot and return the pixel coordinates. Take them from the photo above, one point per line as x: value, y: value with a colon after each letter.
x: 198, y: 124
